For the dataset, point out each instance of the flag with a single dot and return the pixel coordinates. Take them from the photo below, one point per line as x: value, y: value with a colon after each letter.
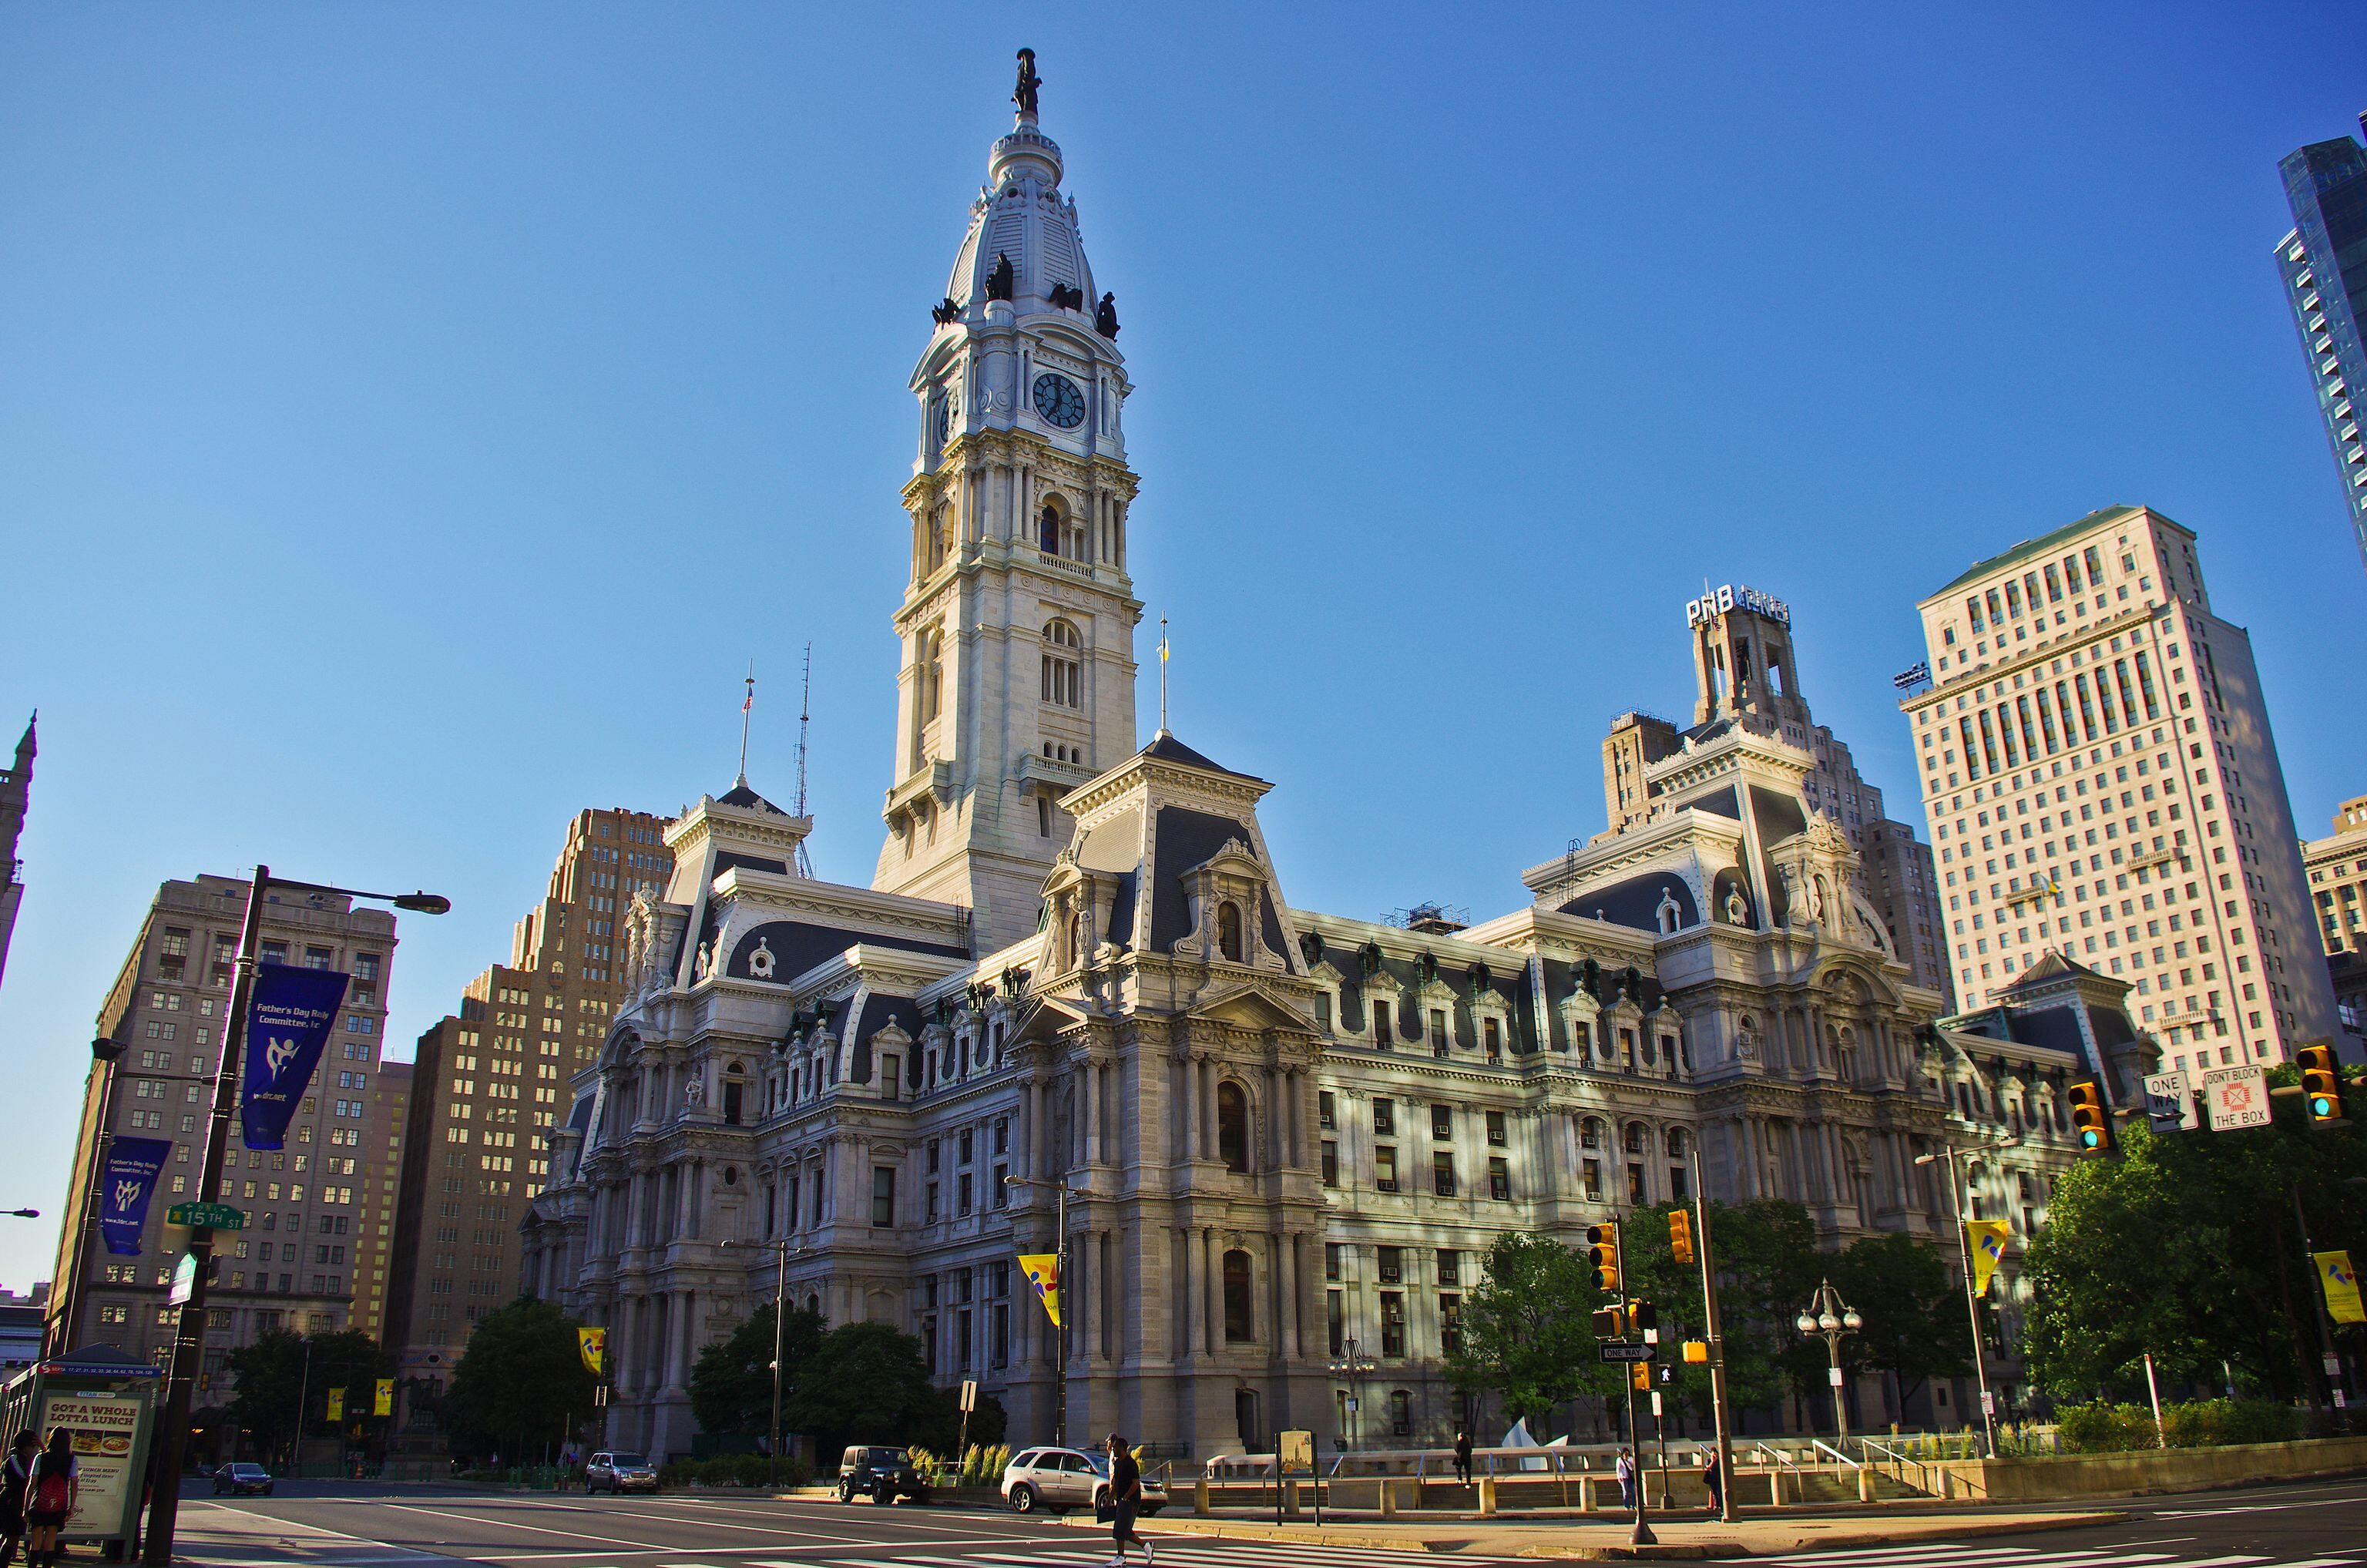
x: 2341, y: 1283
x: 1043, y: 1271
x: 336, y: 1404
x: 594, y: 1345
x: 1988, y: 1238
x: 383, y: 1403
x: 286, y: 1025
x: 134, y: 1166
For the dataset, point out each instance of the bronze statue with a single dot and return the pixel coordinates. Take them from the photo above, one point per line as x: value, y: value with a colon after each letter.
x: 1106, y: 317
x: 998, y: 282
x: 945, y: 311
x: 1066, y: 297
x: 1025, y: 96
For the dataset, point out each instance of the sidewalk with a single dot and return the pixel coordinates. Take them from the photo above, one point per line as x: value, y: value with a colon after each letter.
x: 1593, y: 1537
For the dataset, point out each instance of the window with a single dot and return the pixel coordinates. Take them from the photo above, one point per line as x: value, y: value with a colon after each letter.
x: 1232, y: 1126
x: 1228, y: 930
x: 1061, y: 678
x: 1442, y: 1124
x: 1496, y: 1131
x: 1442, y: 1173
x: 1385, y: 1116
x: 1499, y: 1180
x: 1239, y: 1325
x: 883, y: 1196
x: 1323, y: 1109
x: 1392, y: 1264
x: 1385, y: 1167
x: 1450, y: 1266
x: 1330, y: 1163
x: 1393, y: 1338
x: 1450, y: 1323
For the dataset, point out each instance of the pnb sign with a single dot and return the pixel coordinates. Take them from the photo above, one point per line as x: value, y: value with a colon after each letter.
x: 1717, y: 601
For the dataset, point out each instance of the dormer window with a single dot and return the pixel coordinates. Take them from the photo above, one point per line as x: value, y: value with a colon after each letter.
x: 1228, y: 930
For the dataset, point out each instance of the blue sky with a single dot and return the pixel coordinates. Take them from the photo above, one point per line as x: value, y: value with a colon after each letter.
x: 415, y: 417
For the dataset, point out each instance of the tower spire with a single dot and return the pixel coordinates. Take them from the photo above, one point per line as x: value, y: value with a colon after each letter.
x: 747, y: 707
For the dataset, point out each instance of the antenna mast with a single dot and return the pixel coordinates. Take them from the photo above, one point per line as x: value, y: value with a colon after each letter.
x: 805, y: 717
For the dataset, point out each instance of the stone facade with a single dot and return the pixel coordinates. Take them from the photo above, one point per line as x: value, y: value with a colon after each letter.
x: 1281, y: 1130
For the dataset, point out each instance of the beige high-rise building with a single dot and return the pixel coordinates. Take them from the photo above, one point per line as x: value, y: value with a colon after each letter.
x: 2101, y: 780
x: 1744, y: 674
x: 298, y: 1264
x: 382, y: 1188
x: 489, y: 1082
x: 2336, y: 866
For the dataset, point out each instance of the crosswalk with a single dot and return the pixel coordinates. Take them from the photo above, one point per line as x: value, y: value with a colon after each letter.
x: 1176, y: 1552
x: 1941, y: 1554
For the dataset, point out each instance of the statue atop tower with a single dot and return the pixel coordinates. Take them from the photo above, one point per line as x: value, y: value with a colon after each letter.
x: 1025, y: 96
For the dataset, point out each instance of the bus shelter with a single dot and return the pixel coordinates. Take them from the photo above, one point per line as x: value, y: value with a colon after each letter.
x: 106, y: 1399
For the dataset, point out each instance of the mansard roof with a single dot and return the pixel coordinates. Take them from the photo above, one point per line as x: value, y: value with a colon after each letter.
x: 747, y: 800
x: 1165, y: 747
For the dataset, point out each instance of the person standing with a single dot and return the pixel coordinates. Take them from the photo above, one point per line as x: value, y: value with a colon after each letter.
x: 56, y: 1487
x: 1463, y: 1458
x: 1126, y: 1499
x: 1714, y: 1479
x: 16, y: 1492
x: 1626, y: 1478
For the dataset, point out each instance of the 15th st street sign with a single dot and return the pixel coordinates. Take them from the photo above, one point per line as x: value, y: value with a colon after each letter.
x: 212, y: 1216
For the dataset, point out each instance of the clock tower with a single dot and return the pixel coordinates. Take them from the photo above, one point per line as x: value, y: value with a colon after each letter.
x: 1018, y: 624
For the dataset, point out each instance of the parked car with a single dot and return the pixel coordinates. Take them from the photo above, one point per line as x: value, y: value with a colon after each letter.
x: 620, y: 1472
x: 1060, y: 1479
x: 882, y: 1474
x: 241, y: 1481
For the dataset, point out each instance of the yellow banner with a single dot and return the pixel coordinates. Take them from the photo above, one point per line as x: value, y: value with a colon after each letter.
x: 384, y: 1404
x: 594, y: 1343
x: 1988, y: 1239
x: 336, y: 1404
x: 2341, y: 1283
x: 1043, y: 1271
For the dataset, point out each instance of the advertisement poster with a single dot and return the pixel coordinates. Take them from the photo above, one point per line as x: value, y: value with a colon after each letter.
x: 106, y: 1430
x: 286, y: 1025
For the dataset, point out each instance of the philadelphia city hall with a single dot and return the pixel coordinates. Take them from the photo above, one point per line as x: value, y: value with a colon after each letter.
x: 1078, y: 965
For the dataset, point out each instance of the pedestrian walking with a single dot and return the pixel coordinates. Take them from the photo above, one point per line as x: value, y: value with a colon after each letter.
x: 1126, y: 1500
x: 16, y: 1492
x: 56, y: 1487
x: 1463, y: 1458
x: 1714, y: 1479
x: 1626, y: 1478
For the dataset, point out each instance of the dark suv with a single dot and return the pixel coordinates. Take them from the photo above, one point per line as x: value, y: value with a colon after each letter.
x: 882, y: 1474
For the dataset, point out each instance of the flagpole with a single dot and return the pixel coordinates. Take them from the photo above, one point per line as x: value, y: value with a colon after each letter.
x: 746, y: 708
x: 1162, y: 674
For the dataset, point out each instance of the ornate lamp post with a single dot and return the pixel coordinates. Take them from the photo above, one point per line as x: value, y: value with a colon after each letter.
x: 780, y: 1313
x: 1355, y: 1369
x: 1828, y: 1315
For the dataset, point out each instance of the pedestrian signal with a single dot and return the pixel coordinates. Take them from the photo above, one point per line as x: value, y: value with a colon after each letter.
x: 1603, y: 1251
x: 1681, y: 1235
x: 1610, y: 1323
x: 2091, y: 1122
x: 2321, y: 1085
x: 1697, y: 1350
x: 1644, y: 1315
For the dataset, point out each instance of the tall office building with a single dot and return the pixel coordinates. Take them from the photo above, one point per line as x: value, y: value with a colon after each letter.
x: 2323, y: 260
x: 488, y: 1081
x: 2336, y: 865
x: 16, y: 792
x: 2101, y: 782
x: 1744, y: 674
x: 381, y: 1187
x: 298, y: 1264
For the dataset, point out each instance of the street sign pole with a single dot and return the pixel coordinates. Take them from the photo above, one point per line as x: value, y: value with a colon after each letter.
x: 1642, y: 1534
x: 189, y: 1333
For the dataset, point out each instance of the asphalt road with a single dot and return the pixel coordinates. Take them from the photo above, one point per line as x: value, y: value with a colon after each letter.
x: 355, y: 1525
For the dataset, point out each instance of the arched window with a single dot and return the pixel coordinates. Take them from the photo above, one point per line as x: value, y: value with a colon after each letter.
x: 1048, y: 529
x: 1240, y: 1326
x: 1676, y: 1142
x: 932, y: 665
x: 1228, y: 930
x: 1636, y: 1134
x: 735, y: 1089
x: 1232, y: 1126
x: 1589, y: 1132
x: 937, y: 521
x: 1062, y: 684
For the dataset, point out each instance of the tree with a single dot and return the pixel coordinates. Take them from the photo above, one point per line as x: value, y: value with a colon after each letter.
x: 864, y: 1382
x: 521, y: 1381
x: 1767, y: 1267
x: 272, y: 1373
x: 731, y: 1384
x: 1527, y: 1328
x: 2185, y: 1247
x: 1916, y: 1327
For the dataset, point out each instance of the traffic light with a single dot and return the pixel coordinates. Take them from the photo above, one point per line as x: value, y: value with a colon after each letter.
x: 1603, y: 1251
x: 2321, y: 1085
x: 1681, y: 1235
x: 1610, y: 1323
x: 1639, y: 1374
x: 1644, y: 1315
x: 2091, y: 1122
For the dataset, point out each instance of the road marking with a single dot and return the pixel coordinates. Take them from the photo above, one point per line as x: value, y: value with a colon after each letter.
x: 2250, y: 1509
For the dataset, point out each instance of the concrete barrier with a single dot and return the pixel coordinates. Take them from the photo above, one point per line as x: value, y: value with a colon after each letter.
x: 2147, y: 1470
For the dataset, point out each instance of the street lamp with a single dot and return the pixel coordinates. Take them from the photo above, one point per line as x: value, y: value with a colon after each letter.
x: 780, y: 1312
x: 1355, y: 1369
x: 1828, y: 1315
x: 104, y: 1053
x: 1060, y: 1282
x: 1965, y: 1266
x: 173, y: 1432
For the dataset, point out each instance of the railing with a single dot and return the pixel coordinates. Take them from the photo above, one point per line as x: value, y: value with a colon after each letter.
x: 1897, y: 1464
x: 1821, y: 1446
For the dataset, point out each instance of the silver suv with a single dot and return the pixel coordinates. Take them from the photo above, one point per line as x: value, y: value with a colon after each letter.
x: 1058, y: 1479
x: 607, y: 1472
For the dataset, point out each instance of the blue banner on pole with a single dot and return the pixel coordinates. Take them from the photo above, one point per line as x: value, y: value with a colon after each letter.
x: 287, y: 1025
x: 133, y: 1165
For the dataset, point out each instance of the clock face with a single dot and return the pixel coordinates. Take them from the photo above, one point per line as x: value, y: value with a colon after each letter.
x: 945, y: 420
x: 1059, y: 402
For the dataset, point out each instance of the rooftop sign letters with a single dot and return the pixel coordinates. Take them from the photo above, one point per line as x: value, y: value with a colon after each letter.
x: 1717, y: 601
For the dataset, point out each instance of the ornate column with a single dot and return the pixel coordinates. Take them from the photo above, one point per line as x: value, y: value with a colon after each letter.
x: 1286, y: 1263
x: 1191, y: 1108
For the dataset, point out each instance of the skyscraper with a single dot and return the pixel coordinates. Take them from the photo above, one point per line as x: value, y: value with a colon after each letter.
x: 2101, y: 782
x: 2323, y: 260
x: 488, y: 1083
x: 16, y: 792
x: 298, y: 1262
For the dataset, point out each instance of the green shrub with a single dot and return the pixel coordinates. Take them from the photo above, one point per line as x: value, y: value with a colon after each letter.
x: 2198, y: 1424
x: 2102, y: 1429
